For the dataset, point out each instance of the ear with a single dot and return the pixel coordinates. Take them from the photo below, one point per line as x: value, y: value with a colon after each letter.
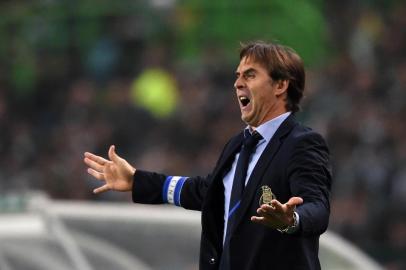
x: 281, y: 87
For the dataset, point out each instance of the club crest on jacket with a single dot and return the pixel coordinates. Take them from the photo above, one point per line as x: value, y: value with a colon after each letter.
x: 267, y: 196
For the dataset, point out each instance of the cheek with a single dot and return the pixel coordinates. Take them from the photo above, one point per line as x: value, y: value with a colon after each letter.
x: 261, y: 93
x: 266, y: 94
x: 261, y: 97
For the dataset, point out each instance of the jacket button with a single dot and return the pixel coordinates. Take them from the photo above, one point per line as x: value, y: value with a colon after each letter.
x: 212, y: 261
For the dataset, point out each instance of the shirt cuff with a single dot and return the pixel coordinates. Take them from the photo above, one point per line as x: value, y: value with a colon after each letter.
x: 172, y: 189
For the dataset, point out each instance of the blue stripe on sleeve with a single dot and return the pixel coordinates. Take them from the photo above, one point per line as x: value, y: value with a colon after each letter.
x: 178, y: 190
x: 165, y: 189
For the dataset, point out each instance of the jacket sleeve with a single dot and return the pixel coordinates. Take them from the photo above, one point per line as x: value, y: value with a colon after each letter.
x: 156, y: 188
x: 309, y: 174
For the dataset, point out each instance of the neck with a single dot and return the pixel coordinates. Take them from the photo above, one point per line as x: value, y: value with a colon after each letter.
x: 268, y: 118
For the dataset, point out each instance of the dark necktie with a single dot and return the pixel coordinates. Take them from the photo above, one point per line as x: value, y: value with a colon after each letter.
x: 248, y: 148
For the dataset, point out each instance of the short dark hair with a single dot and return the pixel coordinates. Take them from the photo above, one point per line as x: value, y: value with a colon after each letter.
x: 282, y: 63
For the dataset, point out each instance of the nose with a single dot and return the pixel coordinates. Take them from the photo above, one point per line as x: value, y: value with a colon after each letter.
x: 239, y: 83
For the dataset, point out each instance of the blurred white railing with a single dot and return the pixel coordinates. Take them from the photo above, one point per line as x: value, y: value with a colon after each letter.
x: 88, y: 230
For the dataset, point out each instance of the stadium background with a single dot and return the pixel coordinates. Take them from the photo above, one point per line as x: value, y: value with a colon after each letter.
x: 155, y: 78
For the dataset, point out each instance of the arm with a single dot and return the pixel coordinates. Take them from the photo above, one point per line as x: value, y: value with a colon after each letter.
x: 147, y: 187
x: 309, y: 178
x: 155, y: 188
x: 309, y: 175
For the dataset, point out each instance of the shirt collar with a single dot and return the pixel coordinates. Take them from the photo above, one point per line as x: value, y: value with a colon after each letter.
x: 268, y: 129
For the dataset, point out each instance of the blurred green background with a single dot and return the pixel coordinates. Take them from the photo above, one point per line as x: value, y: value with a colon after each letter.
x: 155, y: 78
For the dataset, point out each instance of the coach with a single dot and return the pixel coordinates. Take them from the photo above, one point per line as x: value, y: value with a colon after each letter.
x: 266, y: 202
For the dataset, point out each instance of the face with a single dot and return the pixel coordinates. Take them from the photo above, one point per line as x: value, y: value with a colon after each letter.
x: 260, y: 98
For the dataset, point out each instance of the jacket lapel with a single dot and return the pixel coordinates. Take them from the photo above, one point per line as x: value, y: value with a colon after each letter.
x: 213, y: 208
x: 261, y: 166
x: 227, y: 157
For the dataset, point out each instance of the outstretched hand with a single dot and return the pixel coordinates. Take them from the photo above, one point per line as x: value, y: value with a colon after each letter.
x: 277, y: 215
x: 116, y: 173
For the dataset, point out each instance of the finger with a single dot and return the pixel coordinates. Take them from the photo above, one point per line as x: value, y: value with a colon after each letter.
x: 267, y: 208
x: 261, y: 211
x: 266, y: 212
x: 260, y: 220
x: 256, y: 219
x: 293, y: 202
x: 101, y: 189
x: 94, y: 165
x: 276, y: 206
x: 113, y: 155
x: 96, y: 174
x: 96, y: 158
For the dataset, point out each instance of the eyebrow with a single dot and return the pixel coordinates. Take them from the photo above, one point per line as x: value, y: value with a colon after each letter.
x: 249, y: 70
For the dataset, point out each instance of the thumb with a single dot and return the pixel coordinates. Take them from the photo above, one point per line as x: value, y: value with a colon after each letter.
x: 294, y: 201
x: 112, y: 154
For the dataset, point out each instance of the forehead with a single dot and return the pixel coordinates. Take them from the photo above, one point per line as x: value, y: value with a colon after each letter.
x: 247, y: 63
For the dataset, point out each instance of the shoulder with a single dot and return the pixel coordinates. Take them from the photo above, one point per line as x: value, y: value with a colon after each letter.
x: 301, y: 132
x: 234, y: 141
x: 303, y: 137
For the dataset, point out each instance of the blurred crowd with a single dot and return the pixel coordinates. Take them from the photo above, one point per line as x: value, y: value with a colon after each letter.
x: 174, y: 116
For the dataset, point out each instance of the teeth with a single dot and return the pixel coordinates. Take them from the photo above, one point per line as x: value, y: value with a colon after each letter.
x: 244, y: 100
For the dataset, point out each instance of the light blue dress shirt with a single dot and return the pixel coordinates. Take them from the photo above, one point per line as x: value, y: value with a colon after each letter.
x: 267, y: 130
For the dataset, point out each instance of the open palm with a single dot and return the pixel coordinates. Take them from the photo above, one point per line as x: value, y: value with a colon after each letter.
x: 116, y: 173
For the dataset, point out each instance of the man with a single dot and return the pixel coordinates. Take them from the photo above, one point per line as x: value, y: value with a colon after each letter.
x: 266, y: 202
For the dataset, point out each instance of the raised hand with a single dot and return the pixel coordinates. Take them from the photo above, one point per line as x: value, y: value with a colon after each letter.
x: 116, y: 173
x: 277, y: 215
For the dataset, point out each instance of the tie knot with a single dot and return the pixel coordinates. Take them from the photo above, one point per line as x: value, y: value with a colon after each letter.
x: 250, y: 140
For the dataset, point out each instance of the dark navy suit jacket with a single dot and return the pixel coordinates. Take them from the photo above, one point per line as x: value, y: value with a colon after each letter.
x: 294, y: 163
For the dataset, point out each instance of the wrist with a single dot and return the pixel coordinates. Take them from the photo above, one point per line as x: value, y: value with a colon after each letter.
x: 293, y: 227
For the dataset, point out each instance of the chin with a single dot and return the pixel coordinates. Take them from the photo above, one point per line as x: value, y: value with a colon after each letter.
x: 244, y: 119
x: 248, y: 121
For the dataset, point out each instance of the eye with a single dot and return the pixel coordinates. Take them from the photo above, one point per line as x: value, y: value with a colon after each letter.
x: 249, y: 75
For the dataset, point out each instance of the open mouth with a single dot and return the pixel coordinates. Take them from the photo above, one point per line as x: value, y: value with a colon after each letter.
x: 244, y: 100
